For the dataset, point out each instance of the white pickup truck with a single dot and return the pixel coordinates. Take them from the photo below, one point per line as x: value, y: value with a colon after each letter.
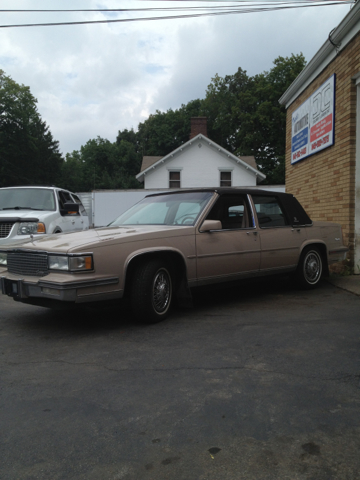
x: 31, y: 211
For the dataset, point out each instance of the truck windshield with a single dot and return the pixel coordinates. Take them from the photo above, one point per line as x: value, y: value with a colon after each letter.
x: 27, y: 199
x: 169, y: 209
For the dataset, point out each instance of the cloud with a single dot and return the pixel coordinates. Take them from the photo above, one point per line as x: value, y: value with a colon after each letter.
x: 251, y: 41
x: 94, y: 80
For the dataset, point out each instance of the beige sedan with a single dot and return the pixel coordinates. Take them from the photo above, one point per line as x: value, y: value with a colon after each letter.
x: 169, y: 243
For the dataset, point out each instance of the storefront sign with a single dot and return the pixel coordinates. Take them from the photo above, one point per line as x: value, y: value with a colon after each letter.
x: 313, y: 123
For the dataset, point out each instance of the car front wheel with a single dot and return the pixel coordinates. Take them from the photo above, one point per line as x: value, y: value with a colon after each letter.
x: 151, y: 292
x: 310, y: 268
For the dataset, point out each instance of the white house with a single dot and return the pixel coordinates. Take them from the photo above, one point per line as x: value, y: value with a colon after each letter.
x: 200, y: 162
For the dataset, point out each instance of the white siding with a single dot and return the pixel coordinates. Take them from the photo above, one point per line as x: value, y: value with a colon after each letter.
x: 200, y: 167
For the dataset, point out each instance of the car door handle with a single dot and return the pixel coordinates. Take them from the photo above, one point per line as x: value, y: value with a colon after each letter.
x: 254, y: 233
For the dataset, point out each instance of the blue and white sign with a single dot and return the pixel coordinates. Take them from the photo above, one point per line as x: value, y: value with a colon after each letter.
x: 313, y: 122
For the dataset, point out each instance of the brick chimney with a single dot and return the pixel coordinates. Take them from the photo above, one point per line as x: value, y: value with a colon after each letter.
x: 198, y: 125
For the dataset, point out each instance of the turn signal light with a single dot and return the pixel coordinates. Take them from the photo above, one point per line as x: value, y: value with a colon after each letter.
x: 41, y: 228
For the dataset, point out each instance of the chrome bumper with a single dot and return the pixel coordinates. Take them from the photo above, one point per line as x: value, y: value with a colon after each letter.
x: 19, y: 289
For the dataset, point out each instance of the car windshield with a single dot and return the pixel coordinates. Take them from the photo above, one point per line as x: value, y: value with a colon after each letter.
x: 168, y: 209
x: 27, y: 199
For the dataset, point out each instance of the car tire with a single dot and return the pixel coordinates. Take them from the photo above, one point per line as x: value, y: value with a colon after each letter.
x: 310, y: 268
x: 151, y: 292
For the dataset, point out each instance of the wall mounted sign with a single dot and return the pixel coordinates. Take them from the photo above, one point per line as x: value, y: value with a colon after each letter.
x: 313, y: 123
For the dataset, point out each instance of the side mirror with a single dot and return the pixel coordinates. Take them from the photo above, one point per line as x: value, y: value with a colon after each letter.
x: 70, y: 209
x: 210, y: 225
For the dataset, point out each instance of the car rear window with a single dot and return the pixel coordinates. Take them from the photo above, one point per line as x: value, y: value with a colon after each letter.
x: 269, y: 212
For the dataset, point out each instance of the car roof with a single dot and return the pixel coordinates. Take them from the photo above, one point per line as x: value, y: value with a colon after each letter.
x: 222, y: 191
x: 48, y: 187
x: 30, y: 186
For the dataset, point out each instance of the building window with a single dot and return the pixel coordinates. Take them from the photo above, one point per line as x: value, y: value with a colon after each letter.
x: 174, y: 179
x: 225, y: 179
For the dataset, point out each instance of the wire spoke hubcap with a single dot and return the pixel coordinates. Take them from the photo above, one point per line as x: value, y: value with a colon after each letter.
x: 161, y: 291
x: 312, y: 267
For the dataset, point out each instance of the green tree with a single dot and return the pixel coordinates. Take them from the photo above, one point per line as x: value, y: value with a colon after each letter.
x: 129, y: 136
x: 130, y: 163
x: 28, y: 152
x: 101, y: 164
x: 163, y: 132
x: 73, y: 175
x: 221, y: 96
x: 245, y: 115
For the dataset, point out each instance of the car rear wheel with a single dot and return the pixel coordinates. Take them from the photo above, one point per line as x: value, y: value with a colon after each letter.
x: 151, y: 291
x: 310, y: 268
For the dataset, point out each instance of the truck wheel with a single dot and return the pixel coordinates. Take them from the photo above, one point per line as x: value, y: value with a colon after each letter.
x: 310, y: 268
x: 151, y: 292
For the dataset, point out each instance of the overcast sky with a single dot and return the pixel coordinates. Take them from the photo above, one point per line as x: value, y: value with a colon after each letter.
x: 94, y: 80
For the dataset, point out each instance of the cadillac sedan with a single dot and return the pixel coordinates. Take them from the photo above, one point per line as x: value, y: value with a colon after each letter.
x: 169, y: 243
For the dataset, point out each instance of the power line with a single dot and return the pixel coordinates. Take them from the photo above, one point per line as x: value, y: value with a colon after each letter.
x: 245, y: 8
x: 72, y: 10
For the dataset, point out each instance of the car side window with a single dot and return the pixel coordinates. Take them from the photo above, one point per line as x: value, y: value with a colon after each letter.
x: 81, y: 206
x: 232, y: 211
x: 269, y: 212
x: 63, y: 198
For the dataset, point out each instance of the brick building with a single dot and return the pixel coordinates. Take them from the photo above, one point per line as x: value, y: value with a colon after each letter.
x: 323, y: 133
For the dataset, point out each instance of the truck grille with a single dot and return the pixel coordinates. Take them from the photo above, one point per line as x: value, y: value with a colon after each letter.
x: 25, y: 263
x: 5, y: 229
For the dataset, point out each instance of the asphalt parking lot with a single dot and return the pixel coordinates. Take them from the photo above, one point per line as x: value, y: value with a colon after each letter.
x: 259, y: 381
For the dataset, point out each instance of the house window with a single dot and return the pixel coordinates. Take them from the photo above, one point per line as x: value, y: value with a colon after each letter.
x: 225, y: 179
x: 174, y: 179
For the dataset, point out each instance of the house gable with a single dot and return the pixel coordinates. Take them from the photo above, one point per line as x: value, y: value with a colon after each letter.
x: 200, y: 162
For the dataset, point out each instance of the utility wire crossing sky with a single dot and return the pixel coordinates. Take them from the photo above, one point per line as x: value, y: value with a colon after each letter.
x: 242, y: 7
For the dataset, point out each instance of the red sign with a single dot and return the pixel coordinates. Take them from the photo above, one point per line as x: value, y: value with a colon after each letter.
x: 321, y: 128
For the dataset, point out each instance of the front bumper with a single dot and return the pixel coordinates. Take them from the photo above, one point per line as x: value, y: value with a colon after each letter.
x: 79, y: 292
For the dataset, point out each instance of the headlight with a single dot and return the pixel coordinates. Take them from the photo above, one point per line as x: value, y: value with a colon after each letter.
x: 3, y: 259
x: 58, y: 262
x: 81, y: 263
x: 29, y: 228
x: 71, y: 264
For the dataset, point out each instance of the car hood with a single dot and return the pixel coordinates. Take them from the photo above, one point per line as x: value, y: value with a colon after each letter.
x: 23, y: 215
x: 75, y: 241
